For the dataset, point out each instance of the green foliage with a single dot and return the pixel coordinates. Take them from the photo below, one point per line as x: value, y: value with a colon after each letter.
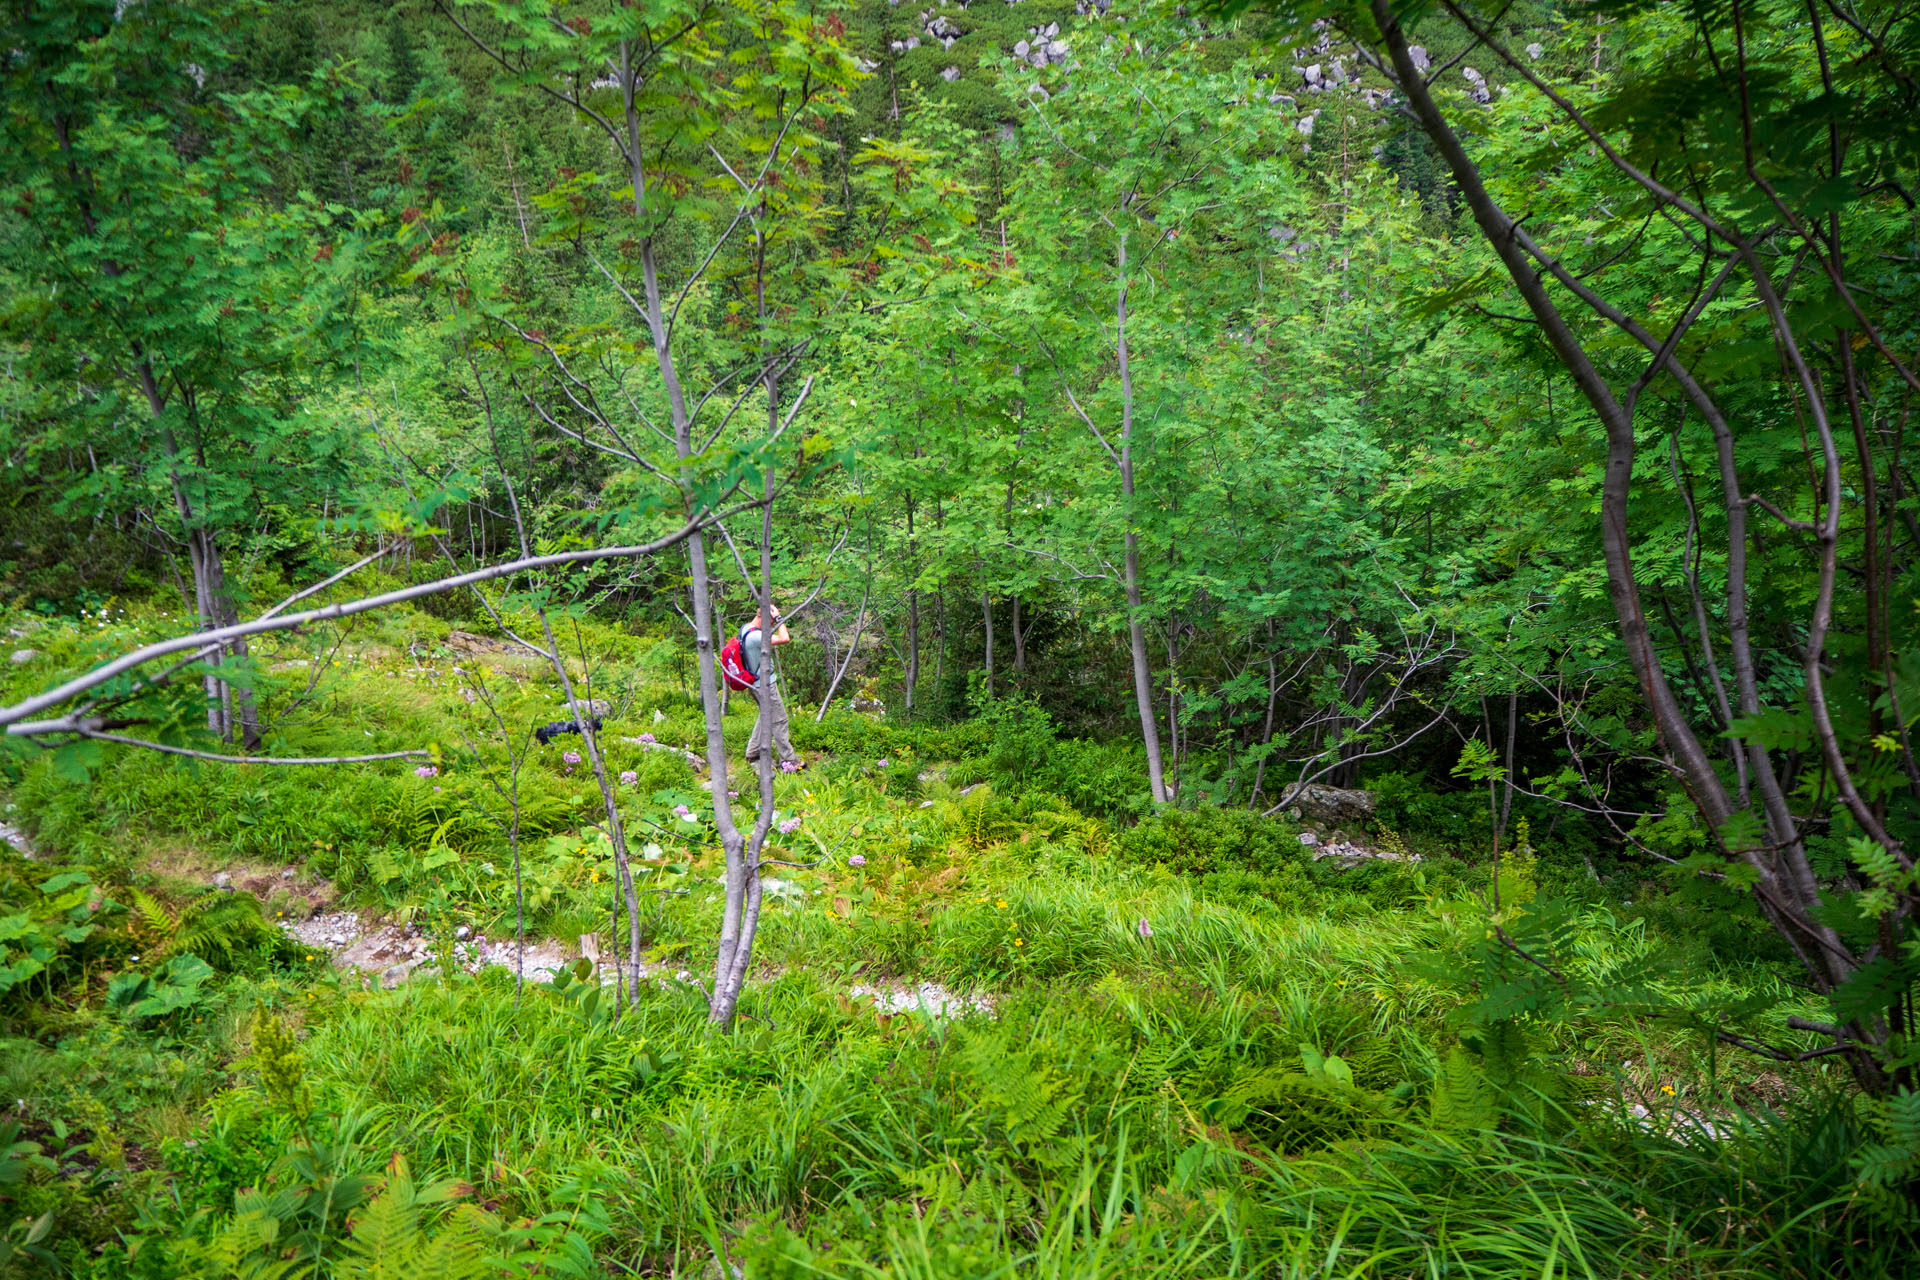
x: 225, y: 928
x: 158, y: 253
x: 170, y: 989
x: 1200, y: 841
x: 1374, y: 1029
x: 1891, y: 1166
x: 386, y: 1239
x: 287, y: 285
x: 1431, y: 818
x: 392, y: 1231
x: 1022, y: 1100
x: 59, y: 913
x: 21, y: 1240
x: 1026, y: 755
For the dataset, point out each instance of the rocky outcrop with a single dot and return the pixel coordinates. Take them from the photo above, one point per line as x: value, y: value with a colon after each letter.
x: 1348, y: 854
x: 1043, y: 47
x: 467, y: 642
x: 1332, y: 806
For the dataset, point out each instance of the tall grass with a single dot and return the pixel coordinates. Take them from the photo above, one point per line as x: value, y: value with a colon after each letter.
x: 1189, y: 1069
x: 821, y: 1140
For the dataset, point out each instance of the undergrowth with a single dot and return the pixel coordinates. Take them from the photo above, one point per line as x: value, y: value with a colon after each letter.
x: 1199, y: 1051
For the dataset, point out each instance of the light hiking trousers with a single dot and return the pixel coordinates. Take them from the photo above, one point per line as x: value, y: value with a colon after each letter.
x: 770, y: 729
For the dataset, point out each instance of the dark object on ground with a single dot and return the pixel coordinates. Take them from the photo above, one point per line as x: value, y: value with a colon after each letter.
x: 548, y: 732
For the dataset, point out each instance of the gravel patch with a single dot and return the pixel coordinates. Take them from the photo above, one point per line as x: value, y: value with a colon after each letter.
x: 931, y: 996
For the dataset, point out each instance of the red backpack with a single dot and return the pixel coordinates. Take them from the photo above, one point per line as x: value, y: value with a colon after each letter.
x: 733, y: 663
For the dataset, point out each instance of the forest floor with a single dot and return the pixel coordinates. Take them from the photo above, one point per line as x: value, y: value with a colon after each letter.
x: 989, y: 1032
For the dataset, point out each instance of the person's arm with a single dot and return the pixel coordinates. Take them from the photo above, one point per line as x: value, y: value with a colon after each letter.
x: 780, y: 635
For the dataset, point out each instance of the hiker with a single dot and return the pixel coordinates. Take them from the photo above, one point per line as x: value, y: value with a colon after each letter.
x: 741, y: 662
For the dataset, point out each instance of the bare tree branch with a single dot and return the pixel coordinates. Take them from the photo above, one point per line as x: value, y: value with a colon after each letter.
x: 13, y: 716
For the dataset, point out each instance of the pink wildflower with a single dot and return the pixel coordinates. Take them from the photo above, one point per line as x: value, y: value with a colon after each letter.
x: 628, y: 777
x: 790, y: 826
x: 427, y: 771
x: 857, y: 860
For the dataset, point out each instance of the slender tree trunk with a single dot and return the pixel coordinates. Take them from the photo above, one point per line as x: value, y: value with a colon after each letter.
x: 742, y: 882
x: 1506, y: 796
x: 1136, y: 625
x: 940, y: 624
x: 226, y: 706
x: 1266, y: 729
x: 723, y: 627
x: 1019, y: 640
x: 986, y: 616
x: 739, y: 884
x: 732, y: 980
x: 1173, y: 711
x: 853, y: 647
x: 913, y: 616
x: 609, y: 802
x: 580, y: 711
x: 199, y: 555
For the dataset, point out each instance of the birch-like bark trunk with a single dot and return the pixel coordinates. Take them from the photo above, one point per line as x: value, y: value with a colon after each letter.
x: 913, y: 615
x: 738, y: 883
x: 986, y: 618
x: 1019, y: 640
x: 212, y: 600
x: 1136, y: 623
x: 731, y: 978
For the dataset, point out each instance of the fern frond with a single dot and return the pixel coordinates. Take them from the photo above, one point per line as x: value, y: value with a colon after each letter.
x: 159, y: 922
x: 221, y: 926
x: 1463, y: 1097
x: 389, y: 1243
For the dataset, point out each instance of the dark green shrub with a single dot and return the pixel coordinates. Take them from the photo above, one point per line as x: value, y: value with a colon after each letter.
x: 1426, y: 818
x: 1025, y: 754
x: 1238, y: 855
x: 900, y: 779
x: 1197, y: 842
x: 847, y: 734
x: 1022, y: 748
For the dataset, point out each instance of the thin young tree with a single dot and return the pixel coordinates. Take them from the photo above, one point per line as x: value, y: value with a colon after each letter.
x: 681, y: 120
x: 1133, y: 159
